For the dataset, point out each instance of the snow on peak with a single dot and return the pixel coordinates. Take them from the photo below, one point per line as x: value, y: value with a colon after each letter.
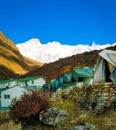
x: 53, y: 51
x: 93, y: 44
x: 54, y: 43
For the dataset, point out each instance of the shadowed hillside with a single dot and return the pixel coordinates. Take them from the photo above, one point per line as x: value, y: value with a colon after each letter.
x: 12, y: 63
x: 65, y: 65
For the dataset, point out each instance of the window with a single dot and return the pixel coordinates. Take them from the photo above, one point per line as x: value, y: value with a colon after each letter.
x: 6, y: 96
x: 26, y: 84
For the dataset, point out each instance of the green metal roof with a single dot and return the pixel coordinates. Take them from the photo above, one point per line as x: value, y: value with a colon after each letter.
x: 83, y: 72
x: 56, y: 82
x: 61, y: 80
x: 28, y: 79
x: 6, y: 81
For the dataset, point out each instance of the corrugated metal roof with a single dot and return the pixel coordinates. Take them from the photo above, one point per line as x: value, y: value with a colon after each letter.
x: 28, y: 79
x: 83, y: 72
x: 6, y: 81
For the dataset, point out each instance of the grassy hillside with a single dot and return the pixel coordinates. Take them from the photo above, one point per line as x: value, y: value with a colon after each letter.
x: 12, y: 63
x: 65, y: 65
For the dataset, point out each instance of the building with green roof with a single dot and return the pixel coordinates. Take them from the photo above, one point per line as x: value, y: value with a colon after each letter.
x: 83, y: 76
x: 31, y: 81
x: 7, y: 83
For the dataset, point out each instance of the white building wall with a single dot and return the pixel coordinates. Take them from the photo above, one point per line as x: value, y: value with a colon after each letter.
x: 37, y: 82
x: 40, y: 82
x: 12, y: 92
x: 88, y: 81
x: 9, y: 84
x: 21, y: 84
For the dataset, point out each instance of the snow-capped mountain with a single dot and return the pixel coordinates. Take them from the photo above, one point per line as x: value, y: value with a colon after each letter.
x: 53, y: 51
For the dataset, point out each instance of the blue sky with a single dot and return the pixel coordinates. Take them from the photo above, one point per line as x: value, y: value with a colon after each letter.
x: 66, y: 21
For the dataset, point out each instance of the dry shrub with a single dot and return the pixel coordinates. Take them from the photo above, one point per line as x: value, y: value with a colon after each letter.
x: 28, y: 107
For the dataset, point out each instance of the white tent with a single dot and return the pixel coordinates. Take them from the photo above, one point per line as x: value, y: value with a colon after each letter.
x: 105, y: 69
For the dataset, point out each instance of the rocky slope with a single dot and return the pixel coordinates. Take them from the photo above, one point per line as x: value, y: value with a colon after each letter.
x: 12, y: 62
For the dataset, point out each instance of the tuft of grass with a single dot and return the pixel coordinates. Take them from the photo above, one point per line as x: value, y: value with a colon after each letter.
x: 101, y: 122
x: 63, y: 104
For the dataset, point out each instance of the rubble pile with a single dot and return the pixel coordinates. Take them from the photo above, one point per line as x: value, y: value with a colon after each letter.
x: 97, y: 98
x: 103, y: 98
x: 80, y: 96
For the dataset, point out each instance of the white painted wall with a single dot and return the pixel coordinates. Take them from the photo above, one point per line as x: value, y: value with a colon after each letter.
x: 13, y: 92
x: 21, y: 84
x: 40, y: 82
x: 37, y: 82
x: 9, y: 84
x: 88, y: 81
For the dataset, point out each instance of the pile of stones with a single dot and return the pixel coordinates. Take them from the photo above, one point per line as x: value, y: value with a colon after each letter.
x: 103, y: 98
x: 97, y: 98
x: 52, y: 116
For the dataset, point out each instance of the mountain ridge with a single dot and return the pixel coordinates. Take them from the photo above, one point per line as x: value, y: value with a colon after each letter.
x: 65, y: 65
x: 13, y: 63
x: 53, y: 51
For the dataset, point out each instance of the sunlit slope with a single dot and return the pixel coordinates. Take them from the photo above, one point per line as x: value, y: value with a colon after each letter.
x: 12, y: 63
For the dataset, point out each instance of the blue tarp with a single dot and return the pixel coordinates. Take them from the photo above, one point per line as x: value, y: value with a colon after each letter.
x: 67, y: 78
x: 56, y: 83
x: 45, y: 88
x: 52, y: 88
x: 61, y: 80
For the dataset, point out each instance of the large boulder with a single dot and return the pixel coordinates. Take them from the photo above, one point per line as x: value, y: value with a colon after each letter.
x: 52, y: 116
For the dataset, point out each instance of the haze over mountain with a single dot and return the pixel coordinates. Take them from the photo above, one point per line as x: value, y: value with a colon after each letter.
x: 53, y: 51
